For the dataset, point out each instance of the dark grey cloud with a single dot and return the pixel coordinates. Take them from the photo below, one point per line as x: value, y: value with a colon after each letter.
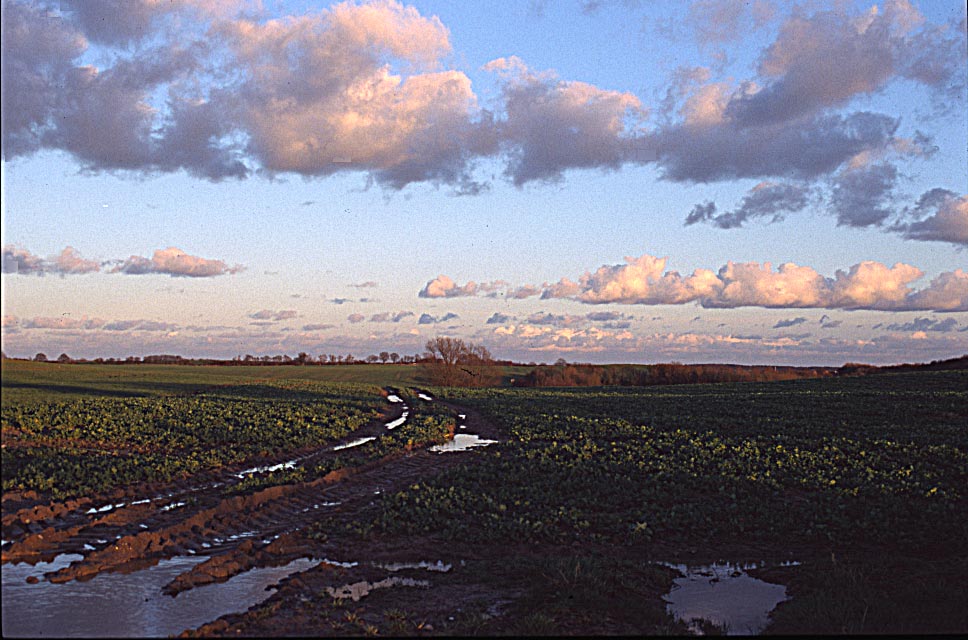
x: 387, y: 316
x: 864, y: 197
x: 498, y: 318
x: 826, y: 59
x: 789, y: 323
x: 801, y: 149
x: 939, y: 215
x: 925, y: 324
x: 605, y: 316
x: 317, y: 327
x: 200, y: 88
x: 426, y: 318
x: 764, y: 200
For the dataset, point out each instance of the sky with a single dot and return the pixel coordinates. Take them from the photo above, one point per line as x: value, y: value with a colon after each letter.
x: 601, y: 181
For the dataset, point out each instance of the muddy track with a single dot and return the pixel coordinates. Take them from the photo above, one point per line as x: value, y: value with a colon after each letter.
x: 134, y: 528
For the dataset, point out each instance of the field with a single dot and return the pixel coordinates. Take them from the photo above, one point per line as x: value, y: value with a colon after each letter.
x: 851, y: 492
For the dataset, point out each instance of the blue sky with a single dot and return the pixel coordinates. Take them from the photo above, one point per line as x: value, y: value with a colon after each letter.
x: 217, y: 179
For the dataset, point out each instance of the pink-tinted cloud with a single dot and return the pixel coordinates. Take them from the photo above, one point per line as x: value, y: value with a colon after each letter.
x: 175, y: 262
x: 866, y: 285
x: 355, y: 318
x: 371, y: 87
x: 444, y: 287
x: 67, y: 262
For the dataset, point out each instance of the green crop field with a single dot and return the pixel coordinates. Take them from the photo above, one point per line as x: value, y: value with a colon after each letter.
x: 863, y: 479
x: 70, y: 430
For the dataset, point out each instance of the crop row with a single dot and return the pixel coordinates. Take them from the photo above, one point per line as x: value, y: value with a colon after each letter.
x: 90, y: 444
x: 593, y: 464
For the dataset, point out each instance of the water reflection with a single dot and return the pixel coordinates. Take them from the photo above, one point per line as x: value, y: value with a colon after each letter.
x: 725, y: 595
x: 462, y: 442
x: 132, y: 605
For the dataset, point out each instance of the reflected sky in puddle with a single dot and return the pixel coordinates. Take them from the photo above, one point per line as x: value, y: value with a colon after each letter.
x: 126, y: 605
x: 462, y: 442
x: 438, y: 566
x: 394, y: 398
x: 363, y: 588
x: 399, y: 421
x: 267, y: 469
x: 725, y: 595
x: 354, y: 443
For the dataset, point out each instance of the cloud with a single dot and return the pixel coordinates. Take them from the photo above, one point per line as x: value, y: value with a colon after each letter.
x: 387, y: 316
x: 553, y: 125
x: 175, y: 262
x: 355, y: 318
x: 826, y: 59
x: 925, y: 324
x: 766, y: 199
x: 139, y: 325
x: 62, y: 322
x: 68, y: 262
x: 863, y: 197
x: 171, y: 261
x: 220, y: 91
x: 317, y: 327
x: 369, y: 284
x: 426, y: 318
x: 67, y: 323
x: 866, y: 285
x: 947, y: 223
x: 498, y: 318
x: 789, y: 323
x: 274, y: 316
x: 444, y: 287
x: 725, y: 150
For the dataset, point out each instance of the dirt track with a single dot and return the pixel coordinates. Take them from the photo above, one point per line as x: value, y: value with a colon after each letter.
x: 129, y: 530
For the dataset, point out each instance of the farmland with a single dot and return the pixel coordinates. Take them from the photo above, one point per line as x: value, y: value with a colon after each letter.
x: 851, y: 492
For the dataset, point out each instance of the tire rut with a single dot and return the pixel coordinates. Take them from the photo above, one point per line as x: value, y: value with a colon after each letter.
x: 194, y: 517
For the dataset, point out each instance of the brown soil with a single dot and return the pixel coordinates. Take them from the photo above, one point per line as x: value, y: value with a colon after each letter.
x: 264, y: 528
x: 480, y: 593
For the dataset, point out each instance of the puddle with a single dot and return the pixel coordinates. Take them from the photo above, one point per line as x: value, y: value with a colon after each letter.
x: 354, y: 443
x: 438, y: 566
x: 399, y: 421
x: 269, y: 469
x: 424, y: 396
x: 725, y: 595
x: 462, y: 442
x: 127, y: 605
x: 361, y: 589
x: 394, y: 398
x: 337, y: 563
x: 173, y: 505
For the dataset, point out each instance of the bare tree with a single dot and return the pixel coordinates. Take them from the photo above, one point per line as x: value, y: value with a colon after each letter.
x: 456, y: 363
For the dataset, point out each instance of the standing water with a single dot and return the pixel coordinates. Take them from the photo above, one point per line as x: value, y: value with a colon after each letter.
x: 725, y: 595
x: 126, y: 605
